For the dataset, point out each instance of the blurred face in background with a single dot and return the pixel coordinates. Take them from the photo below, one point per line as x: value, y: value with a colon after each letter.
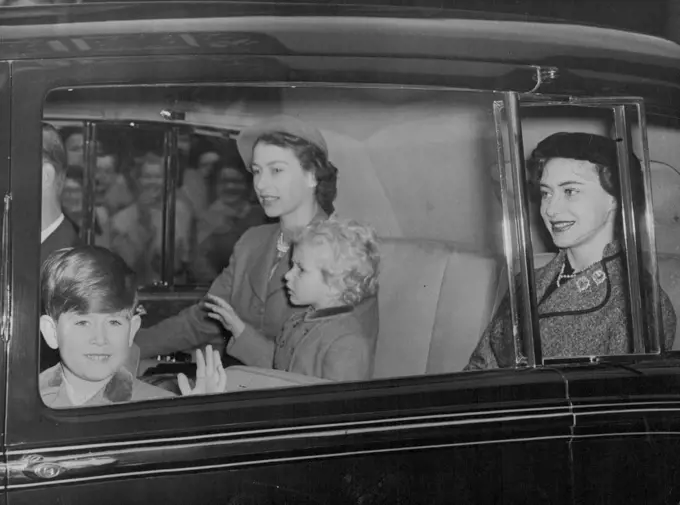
x: 207, y: 162
x: 151, y: 181
x: 232, y: 186
x: 72, y: 198
x: 184, y: 144
x: 75, y: 150
x: 104, y: 174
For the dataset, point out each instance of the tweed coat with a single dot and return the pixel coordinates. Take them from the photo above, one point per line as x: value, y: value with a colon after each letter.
x: 327, y: 343
x: 257, y: 297
x: 123, y: 387
x: 587, y: 315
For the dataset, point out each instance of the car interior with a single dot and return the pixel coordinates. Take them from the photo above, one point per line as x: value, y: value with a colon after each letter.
x: 421, y: 167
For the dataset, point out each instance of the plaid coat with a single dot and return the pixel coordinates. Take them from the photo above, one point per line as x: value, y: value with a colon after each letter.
x: 587, y: 315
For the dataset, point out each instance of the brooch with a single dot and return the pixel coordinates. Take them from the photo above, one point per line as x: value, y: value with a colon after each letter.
x: 582, y: 283
x: 599, y: 277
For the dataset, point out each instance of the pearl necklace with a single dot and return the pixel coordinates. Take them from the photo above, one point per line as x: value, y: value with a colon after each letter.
x: 563, y: 276
x: 566, y: 277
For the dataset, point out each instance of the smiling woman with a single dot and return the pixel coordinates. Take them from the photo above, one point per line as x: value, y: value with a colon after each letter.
x: 581, y: 294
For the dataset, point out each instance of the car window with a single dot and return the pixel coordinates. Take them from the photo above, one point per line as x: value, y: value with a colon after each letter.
x: 591, y: 260
x: 662, y: 129
x: 413, y: 164
x: 165, y: 187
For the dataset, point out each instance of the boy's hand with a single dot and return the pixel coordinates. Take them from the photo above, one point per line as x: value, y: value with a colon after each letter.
x: 210, y: 375
x: 221, y: 311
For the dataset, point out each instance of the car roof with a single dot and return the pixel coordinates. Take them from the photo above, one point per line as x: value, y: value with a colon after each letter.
x: 349, y: 29
x: 592, y: 60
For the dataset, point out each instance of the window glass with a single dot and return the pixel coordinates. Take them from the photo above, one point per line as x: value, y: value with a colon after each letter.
x: 418, y: 166
x: 663, y: 131
x: 590, y: 262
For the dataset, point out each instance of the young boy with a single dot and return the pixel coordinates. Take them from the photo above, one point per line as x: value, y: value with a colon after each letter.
x: 90, y: 300
x: 335, y: 267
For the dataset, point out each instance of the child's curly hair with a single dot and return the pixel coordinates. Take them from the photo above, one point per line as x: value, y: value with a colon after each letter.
x: 354, y: 261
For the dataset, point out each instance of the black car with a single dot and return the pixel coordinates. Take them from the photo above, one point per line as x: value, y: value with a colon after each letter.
x: 429, y: 115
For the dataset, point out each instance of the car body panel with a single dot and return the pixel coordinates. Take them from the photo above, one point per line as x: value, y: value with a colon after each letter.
x: 345, y: 440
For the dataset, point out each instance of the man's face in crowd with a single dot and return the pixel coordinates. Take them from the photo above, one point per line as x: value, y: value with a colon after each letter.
x: 75, y: 149
x: 151, y: 181
x: 104, y: 174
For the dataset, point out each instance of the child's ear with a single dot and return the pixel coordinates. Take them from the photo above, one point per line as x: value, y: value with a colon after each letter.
x: 135, y: 324
x: 48, y: 328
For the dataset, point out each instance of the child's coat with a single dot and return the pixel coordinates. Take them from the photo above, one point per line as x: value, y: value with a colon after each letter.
x: 122, y: 387
x: 327, y: 343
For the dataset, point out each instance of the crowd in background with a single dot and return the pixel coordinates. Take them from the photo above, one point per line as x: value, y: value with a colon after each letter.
x: 214, y: 202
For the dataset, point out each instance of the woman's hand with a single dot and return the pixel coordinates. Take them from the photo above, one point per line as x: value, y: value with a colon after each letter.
x: 221, y: 311
x: 210, y: 375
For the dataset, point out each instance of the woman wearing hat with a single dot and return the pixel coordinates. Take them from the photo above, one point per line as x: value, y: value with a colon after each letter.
x: 294, y: 182
x: 583, y: 307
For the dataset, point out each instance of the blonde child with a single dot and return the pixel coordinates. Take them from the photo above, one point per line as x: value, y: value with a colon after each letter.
x: 335, y: 267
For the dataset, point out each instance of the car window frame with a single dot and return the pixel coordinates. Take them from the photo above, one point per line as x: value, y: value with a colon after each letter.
x: 620, y: 108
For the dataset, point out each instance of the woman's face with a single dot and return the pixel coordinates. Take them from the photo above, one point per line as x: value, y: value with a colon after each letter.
x: 574, y: 206
x: 281, y: 184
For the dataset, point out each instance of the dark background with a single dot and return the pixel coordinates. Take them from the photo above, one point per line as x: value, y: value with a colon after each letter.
x: 655, y: 17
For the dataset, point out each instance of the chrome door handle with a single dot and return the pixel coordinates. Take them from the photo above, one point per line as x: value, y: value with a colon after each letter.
x: 39, y: 467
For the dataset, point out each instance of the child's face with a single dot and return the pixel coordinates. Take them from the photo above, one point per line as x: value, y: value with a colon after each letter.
x: 305, y: 282
x: 93, y: 346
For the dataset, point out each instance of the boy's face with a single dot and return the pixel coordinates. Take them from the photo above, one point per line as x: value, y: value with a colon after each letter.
x: 305, y: 282
x: 93, y: 346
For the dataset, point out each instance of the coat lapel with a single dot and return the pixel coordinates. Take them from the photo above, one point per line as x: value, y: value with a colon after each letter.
x: 547, y: 275
x: 277, y: 283
x: 587, y: 292
x: 262, y: 260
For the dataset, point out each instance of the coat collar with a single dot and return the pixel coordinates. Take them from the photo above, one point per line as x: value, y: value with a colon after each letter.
x: 118, y: 389
x: 313, y: 315
x: 587, y: 292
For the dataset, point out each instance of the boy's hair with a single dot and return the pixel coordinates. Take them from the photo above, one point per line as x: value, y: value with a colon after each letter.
x: 355, y: 258
x: 87, y: 279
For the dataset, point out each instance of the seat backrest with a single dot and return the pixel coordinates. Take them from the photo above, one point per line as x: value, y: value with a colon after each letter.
x: 435, y: 302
